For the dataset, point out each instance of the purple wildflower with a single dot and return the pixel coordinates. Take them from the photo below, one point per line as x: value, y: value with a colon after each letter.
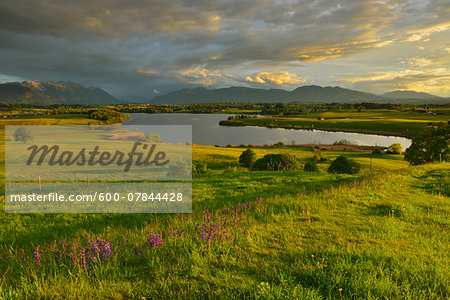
x: 83, y: 259
x: 37, y: 256
x: 155, y: 240
x: 74, y: 255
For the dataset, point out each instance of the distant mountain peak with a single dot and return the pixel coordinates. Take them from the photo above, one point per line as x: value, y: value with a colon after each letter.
x: 408, y: 94
x: 50, y: 92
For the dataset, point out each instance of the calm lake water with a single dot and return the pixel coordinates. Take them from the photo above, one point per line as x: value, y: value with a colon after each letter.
x: 206, y: 131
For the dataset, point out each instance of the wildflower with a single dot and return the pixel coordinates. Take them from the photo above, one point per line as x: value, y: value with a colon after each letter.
x: 74, y: 255
x: 136, y: 250
x: 155, y: 240
x: 83, y: 259
x: 37, y: 256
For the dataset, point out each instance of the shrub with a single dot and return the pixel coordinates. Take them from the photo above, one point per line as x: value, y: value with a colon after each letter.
x: 230, y: 145
x: 247, y: 158
x: 280, y: 143
x: 277, y: 162
x: 310, y: 166
x: 342, y: 142
x: 250, y: 145
x: 216, y: 145
x: 343, y: 165
x: 319, y: 157
x: 316, y: 157
x: 394, y: 149
x: 376, y: 151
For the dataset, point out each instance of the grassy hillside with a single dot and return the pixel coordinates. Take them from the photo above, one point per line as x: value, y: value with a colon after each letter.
x: 380, y: 121
x: 380, y: 234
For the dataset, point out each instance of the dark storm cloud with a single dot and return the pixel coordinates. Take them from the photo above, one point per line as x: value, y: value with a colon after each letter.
x: 133, y: 47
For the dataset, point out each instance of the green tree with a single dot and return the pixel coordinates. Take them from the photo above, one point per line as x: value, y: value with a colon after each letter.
x: 431, y: 144
x: 247, y: 158
x: 23, y: 134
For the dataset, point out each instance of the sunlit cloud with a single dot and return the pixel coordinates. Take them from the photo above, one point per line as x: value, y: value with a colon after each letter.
x: 421, y: 34
x: 278, y: 78
x: 201, y: 75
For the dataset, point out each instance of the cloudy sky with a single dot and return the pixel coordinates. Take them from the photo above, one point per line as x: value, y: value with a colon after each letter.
x: 137, y: 49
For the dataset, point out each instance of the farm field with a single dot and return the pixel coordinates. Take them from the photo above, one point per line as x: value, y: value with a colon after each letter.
x: 380, y: 234
x: 377, y: 121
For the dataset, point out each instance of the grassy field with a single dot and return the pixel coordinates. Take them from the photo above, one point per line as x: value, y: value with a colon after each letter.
x: 379, y: 121
x: 381, y: 234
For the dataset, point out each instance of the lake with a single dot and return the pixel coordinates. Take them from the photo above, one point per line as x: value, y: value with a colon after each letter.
x: 207, y: 131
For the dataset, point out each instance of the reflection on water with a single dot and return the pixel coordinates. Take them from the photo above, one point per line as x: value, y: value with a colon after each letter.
x: 206, y: 131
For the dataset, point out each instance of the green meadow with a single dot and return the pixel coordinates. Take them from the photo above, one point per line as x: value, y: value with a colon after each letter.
x: 381, y: 234
x: 379, y: 121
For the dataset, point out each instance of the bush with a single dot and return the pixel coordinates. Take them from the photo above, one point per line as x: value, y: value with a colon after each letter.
x: 247, y: 158
x: 343, y: 142
x: 376, y: 151
x: 242, y: 146
x: 431, y: 144
x: 394, y: 149
x: 280, y: 143
x: 230, y: 145
x: 277, y: 162
x: 316, y: 157
x: 319, y: 157
x: 216, y: 145
x: 343, y: 165
x: 310, y: 166
x: 251, y: 145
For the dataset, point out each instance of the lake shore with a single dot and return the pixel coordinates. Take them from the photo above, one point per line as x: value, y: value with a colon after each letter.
x: 296, y: 127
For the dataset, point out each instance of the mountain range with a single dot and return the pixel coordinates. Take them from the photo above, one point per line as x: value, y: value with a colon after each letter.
x: 49, y: 92
x: 310, y: 93
x: 64, y: 92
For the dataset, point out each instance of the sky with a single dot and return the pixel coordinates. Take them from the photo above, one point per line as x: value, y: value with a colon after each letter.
x: 141, y: 48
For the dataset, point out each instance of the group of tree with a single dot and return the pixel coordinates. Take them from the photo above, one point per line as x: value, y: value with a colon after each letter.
x: 108, y: 116
x: 430, y: 145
